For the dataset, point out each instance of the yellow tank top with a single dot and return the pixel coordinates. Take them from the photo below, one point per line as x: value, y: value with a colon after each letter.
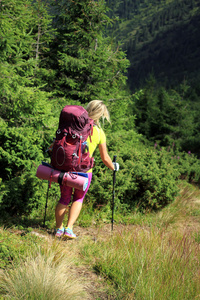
x: 97, y: 138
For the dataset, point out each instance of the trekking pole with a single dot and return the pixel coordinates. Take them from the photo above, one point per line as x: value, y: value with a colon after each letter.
x: 113, y: 199
x: 46, y: 203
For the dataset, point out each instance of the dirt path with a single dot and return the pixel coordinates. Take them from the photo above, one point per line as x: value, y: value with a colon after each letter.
x: 187, y: 219
x: 95, y: 285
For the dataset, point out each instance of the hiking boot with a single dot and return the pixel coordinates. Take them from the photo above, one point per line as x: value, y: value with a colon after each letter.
x: 60, y: 232
x: 69, y: 234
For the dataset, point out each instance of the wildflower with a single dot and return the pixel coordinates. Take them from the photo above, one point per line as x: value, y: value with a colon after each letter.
x: 189, y: 152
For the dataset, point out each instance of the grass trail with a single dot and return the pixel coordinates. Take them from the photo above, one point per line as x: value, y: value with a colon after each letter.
x: 156, y: 257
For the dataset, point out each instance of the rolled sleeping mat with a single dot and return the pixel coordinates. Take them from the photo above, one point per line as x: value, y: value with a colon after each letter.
x: 75, y: 180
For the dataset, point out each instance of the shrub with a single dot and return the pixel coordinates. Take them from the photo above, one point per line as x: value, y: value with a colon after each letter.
x: 147, y: 179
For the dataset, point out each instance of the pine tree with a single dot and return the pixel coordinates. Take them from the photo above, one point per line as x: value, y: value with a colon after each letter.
x: 42, y: 30
x: 23, y: 29
x: 164, y: 115
x: 25, y: 112
x: 86, y: 63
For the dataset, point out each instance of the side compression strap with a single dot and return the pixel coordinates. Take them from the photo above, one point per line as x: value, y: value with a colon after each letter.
x: 60, y: 177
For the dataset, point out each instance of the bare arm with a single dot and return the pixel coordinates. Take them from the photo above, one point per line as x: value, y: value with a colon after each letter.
x: 105, y: 156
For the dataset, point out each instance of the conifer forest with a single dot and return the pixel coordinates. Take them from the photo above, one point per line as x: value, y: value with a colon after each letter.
x: 141, y: 57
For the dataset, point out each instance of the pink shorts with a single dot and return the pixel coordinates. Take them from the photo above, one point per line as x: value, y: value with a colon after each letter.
x: 66, y: 193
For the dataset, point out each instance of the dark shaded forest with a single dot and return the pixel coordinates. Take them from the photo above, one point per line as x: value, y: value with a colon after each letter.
x: 161, y: 38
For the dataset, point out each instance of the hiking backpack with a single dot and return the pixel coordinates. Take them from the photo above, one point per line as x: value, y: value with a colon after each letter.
x: 70, y: 150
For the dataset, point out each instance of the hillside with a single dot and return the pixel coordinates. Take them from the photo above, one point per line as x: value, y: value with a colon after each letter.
x: 160, y: 38
x: 147, y: 259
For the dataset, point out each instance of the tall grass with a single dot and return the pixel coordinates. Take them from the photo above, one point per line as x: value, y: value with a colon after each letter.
x: 159, y: 261
x: 181, y: 212
x: 156, y: 257
x: 44, y: 275
x: 149, y: 264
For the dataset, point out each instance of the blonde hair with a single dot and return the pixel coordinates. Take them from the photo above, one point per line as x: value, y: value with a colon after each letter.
x: 97, y: 109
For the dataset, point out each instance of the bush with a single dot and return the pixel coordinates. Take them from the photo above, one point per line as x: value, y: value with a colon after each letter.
x: 146, y: 178
x: 189, y: 167
x: 20, y: 153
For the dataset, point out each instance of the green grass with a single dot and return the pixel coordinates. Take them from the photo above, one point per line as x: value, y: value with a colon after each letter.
x: 147, y: 256
x: 149, y: 264
x: 15, y: 244
x: 157, y: 260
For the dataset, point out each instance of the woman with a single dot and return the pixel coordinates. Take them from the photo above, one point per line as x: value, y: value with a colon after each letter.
x: 96, y: 110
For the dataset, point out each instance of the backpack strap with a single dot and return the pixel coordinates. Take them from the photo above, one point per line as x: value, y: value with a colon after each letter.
x: 91, y: 131
x: 50, y: 179
x: 79, y: 150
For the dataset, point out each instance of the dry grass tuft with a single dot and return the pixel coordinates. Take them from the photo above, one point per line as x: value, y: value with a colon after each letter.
x: 45, y: 275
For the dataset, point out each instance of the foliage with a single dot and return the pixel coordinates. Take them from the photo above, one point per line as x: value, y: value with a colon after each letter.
x: 146, y: 179
x: 151, y: 32
x: 22, y: 143
x: 166, y: 116
x: 58, y: 54
x: 39, y: 60
x: 87, y: 64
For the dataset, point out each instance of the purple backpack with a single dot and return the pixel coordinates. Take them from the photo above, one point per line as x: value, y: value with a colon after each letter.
x: 70, y: 150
